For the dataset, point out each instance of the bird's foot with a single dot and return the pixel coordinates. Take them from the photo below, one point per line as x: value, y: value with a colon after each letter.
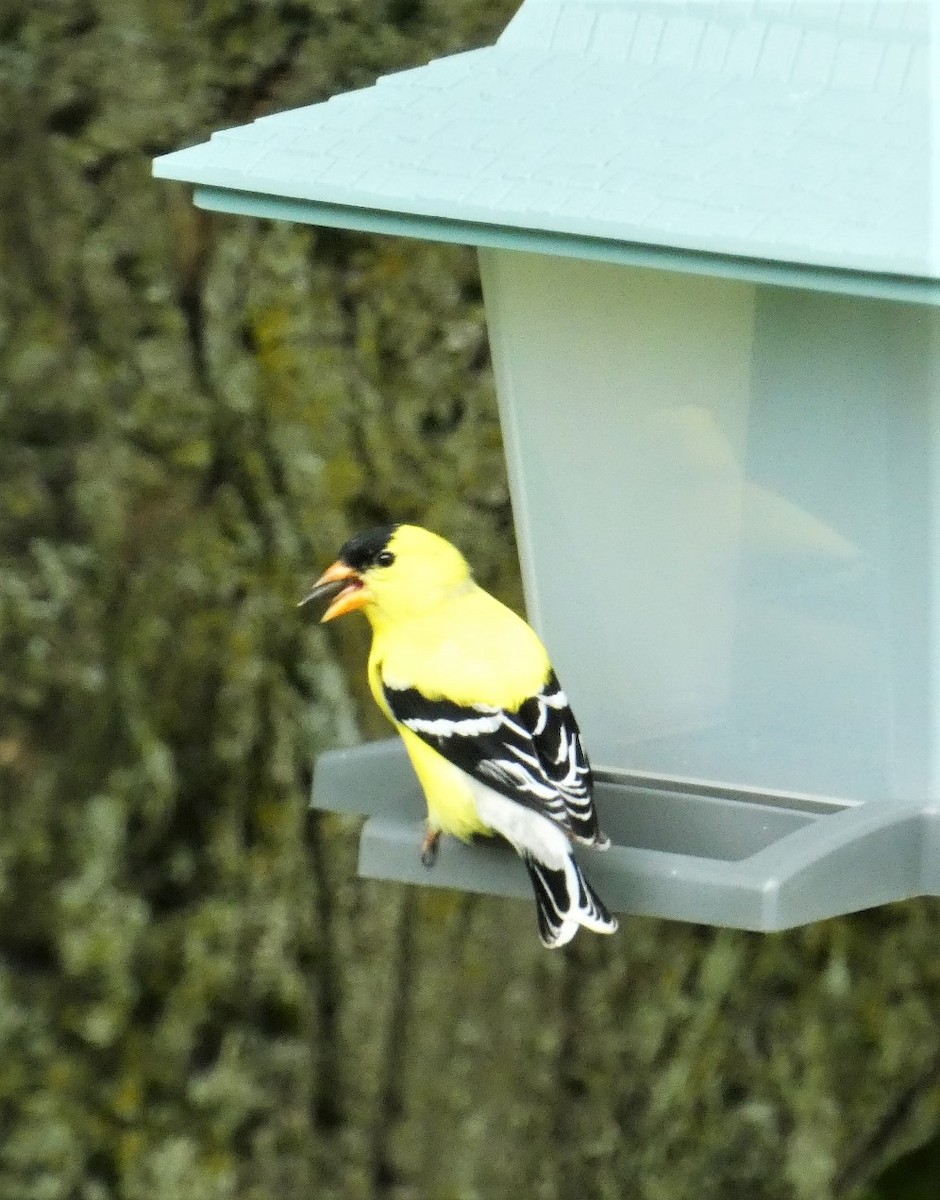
x: 429, y: 847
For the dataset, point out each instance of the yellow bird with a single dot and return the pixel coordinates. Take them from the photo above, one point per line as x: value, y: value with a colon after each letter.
x: 470, y: 688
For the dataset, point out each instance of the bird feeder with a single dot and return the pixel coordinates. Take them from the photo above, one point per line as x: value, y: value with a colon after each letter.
x: 709, y: 237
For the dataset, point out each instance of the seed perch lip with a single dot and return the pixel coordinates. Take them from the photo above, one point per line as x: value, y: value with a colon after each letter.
x: 762, y: 863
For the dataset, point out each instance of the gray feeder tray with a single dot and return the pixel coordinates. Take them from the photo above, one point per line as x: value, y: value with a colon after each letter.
x: 721, y: 858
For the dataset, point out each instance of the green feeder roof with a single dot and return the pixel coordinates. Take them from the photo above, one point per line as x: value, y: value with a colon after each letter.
x: 789, y: 140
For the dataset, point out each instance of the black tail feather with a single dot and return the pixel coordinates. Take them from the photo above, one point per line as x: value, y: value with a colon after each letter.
x: 564, y: 900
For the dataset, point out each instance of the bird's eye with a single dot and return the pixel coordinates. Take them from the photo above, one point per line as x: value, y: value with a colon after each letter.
x: 384, y: 558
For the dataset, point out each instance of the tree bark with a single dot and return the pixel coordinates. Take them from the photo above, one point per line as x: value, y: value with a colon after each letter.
x: 198, y: 998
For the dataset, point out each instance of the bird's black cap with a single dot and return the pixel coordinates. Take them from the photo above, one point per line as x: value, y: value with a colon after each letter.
x: 361, y: 551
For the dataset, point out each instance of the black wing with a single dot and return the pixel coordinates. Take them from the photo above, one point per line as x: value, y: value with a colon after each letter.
x: 532, y: 755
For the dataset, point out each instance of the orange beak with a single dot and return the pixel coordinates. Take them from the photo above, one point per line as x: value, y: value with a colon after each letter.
x: 343, y: 586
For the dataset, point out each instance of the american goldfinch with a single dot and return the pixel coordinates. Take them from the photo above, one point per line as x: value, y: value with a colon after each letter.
x: 470, y: 688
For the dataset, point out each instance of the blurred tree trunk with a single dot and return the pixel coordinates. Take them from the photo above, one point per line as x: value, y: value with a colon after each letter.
x: 198, y: 999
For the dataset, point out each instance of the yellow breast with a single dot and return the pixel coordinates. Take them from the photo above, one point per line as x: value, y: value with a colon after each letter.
x: 473, y: 651
x: 451, y: 806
